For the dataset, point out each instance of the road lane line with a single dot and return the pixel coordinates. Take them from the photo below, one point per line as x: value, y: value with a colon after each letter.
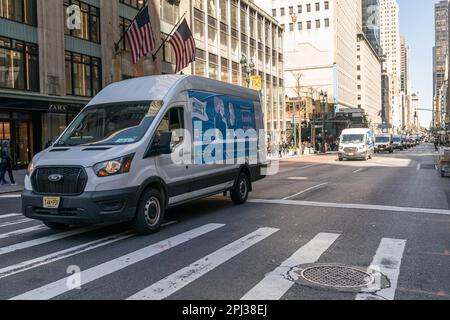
x: 419, y: 165
x: 59, y: 287
x: 43, y: 240
x: 359, y: 170
x: 178, y: 280
x: 351, y: 206
x: 387, y: 261
x: 298, y: 178
x: 62, y: 254
x: 305, y: 191
x: 21, y: 231
x: 13, y: 223
x: 11, y: 215
x: 275, y: 284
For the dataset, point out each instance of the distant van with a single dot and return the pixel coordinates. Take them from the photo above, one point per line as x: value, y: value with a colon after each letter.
x: 147, y: 144
x: 384, y: 143
x: 356, y: 144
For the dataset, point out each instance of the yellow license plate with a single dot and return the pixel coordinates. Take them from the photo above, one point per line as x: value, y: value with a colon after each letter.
x: 52, y: 202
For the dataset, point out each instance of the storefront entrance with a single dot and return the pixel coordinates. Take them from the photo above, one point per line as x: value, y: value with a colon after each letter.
x: 19, y: 135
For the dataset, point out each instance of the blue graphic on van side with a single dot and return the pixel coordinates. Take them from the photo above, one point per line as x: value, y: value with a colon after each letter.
x: 229, y: 119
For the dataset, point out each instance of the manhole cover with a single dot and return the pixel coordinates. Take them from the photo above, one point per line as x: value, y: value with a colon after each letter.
x: 337, y: 276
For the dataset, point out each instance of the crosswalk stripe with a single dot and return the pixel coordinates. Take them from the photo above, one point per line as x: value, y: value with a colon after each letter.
x: 11, y: 215
x: 275, y: 284
x: 43, y: 240
x: 21, y: 231
x: 59, y: 287
x: 59, y: 255
x: 13, y: 223
x: 387, y: 261
x: 178, y: 280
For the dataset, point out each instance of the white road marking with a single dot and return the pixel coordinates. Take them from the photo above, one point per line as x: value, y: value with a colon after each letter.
x: 352, y: 206
x: 59, y: 287
x: 419, y: 166
x: 178, y: 280
x: 12, y: 196
x: 13, y: 223
x: 359, y: 170
x: 59, y: 255
x: 387, y: 261
x: 21, y: 231
x: 298, y: 178
x: 43, y: 240
x: 11, y: 215
x: 305, y: 191
x: 275, y: 284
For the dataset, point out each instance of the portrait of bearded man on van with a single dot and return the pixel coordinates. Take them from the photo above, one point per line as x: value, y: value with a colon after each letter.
x: 220, y: 121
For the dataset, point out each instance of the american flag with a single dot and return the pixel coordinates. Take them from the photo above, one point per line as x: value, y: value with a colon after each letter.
x: 183, y: 44
x: 140, y: 35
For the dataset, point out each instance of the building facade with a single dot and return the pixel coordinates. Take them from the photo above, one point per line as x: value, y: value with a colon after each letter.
x: 441, y: 52
x: 390, y: 46
x: 319, y: 44
x: 55, y: 55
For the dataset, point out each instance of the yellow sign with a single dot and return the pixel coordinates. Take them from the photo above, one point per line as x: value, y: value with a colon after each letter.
x: 256, y: 83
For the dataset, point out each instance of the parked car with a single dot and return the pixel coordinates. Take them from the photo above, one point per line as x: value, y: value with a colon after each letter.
x: 356, y: 144
x: 132, y: 153
x: 384, y: 143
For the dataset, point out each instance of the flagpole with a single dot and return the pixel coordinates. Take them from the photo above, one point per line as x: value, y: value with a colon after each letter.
x: 117, y: 44
x: 168, y: 36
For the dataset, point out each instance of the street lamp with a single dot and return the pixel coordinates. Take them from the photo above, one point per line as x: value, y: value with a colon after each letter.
x: 324, y: 97
x: 249, y: 67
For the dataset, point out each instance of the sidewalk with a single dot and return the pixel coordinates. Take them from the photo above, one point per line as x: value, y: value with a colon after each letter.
x: 19, y: 176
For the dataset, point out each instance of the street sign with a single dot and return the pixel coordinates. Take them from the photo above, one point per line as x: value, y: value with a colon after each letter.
x: 256, y: 83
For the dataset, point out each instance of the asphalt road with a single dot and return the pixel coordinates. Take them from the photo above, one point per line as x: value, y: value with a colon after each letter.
x: 387, y: 219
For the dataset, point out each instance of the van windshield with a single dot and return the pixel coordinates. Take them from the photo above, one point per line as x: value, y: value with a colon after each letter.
x: 112, y: 124
x: 353, y: 138
x: 382, y: 139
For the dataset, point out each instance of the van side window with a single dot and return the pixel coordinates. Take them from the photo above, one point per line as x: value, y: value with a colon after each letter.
x: 173, y: 122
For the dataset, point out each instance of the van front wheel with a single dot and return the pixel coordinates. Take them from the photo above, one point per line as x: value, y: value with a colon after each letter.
x: 150, y: 213
x: 239, y: 195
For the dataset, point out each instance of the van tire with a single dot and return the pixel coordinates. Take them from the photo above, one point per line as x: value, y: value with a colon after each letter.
x: 239, y: 195
x: 56, y: 226
x: 150, y: 213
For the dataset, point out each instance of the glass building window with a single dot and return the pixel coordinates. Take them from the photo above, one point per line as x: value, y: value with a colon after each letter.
x: 23, y: 11
x: 124, y: 25
x: 235, y: 73
x: 19, y: 65
x: 137, y: 4
x: 244, y: 18
x: 90, y: 22
x: 212, y: 34
x: 213, y: 68
x: 200, y: 63
x: 169, y: 12
x: 83, y: 75
x: 199, y: 28
x: 234, y: 14
x: 224, y: 70
x: 224, y: 41
x: 223, y: 7
x: 212, y: 11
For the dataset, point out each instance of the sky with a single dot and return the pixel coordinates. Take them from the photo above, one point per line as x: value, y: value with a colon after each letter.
x: 417, y: 26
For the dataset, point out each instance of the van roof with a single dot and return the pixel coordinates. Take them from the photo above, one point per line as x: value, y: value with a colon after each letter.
x: 356, y: 130
x: 164, y: 87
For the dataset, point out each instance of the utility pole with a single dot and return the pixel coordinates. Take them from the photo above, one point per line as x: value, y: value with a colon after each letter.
x: 298, y: 77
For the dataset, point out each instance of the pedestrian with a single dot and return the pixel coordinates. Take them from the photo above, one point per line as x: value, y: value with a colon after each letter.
x: 280, y: 150
x: 6, y: 164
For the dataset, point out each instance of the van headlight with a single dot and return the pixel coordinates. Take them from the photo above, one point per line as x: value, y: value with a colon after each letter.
x: 113, y: 167
x: 30, y: 169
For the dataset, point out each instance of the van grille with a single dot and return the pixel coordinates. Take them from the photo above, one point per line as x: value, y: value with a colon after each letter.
x: 73, y: 180
x: 350, y: 150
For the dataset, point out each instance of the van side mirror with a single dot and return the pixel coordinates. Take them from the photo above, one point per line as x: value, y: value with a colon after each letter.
x: 162, y: 145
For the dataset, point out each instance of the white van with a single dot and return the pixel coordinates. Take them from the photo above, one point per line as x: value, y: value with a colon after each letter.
x: 356, y: 144
x: 147, y: 144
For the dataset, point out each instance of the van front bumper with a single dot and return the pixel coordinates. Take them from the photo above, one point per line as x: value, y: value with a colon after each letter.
x: 355, y: 155
x: 85, y: 209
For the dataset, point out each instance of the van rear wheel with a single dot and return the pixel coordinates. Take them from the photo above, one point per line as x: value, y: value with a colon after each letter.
x: 150, y: 213
x: 239, y: 195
